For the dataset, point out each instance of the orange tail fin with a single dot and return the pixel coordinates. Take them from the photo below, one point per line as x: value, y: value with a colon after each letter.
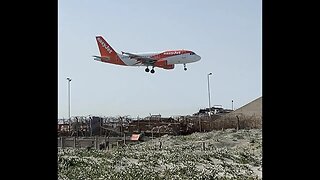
x: 107, y: 52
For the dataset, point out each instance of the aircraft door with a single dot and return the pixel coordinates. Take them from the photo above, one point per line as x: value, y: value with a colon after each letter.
x: 183, y: 58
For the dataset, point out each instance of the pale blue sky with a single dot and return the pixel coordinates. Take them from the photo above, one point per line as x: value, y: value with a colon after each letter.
x: 227, y: 34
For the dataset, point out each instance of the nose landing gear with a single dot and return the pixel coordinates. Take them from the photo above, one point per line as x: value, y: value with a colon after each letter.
x: 185, y: 67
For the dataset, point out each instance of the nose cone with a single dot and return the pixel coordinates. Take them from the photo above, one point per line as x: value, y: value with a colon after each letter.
x: 198, y: 58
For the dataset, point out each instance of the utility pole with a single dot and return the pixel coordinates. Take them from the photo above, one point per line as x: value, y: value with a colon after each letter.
x: 209, y: 94
x: 69, y: 80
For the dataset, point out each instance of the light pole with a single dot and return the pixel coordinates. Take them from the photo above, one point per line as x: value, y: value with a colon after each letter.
x: 69, y: 80
x: 232, y: 105
x: 209, y: 94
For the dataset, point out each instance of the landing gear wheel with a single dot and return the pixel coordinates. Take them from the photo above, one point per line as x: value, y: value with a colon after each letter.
x: 185, y: 67
x: 152, y: 71
x: 147, y: 69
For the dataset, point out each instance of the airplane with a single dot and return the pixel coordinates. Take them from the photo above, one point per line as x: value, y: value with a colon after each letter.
x: 163, y: 59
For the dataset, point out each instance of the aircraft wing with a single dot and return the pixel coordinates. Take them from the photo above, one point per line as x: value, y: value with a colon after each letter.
x: 141, y: 59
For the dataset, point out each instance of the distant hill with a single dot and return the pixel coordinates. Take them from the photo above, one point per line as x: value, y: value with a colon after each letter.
x: 254, y: 108
x: 246, y: 117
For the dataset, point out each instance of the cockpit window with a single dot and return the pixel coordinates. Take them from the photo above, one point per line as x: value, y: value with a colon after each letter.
x: 192, y: 53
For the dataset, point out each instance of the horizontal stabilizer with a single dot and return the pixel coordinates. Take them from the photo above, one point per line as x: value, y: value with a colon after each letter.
x: 101, y: 58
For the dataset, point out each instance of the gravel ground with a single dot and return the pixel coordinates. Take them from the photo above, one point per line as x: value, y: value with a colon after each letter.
x: 225, y: 154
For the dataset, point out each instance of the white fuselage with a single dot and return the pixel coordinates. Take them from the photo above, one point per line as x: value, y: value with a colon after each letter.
x: 175, y: 59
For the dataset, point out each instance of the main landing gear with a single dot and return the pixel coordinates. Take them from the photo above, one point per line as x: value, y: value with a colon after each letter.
x: 152, y: 70
x: 185, y: 67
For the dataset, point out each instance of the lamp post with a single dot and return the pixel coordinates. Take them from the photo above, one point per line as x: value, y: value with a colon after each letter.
x: 209, y: 94
x: 232, y: 105
x: 69, y: 80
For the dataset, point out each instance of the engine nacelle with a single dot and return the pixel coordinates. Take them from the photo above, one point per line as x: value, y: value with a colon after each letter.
x: 170, y: 66
x: 164, y: 64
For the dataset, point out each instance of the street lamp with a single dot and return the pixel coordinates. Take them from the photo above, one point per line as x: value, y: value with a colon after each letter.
x: 209, y: 94
x: 69, y: 79
x: 232, y: 105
